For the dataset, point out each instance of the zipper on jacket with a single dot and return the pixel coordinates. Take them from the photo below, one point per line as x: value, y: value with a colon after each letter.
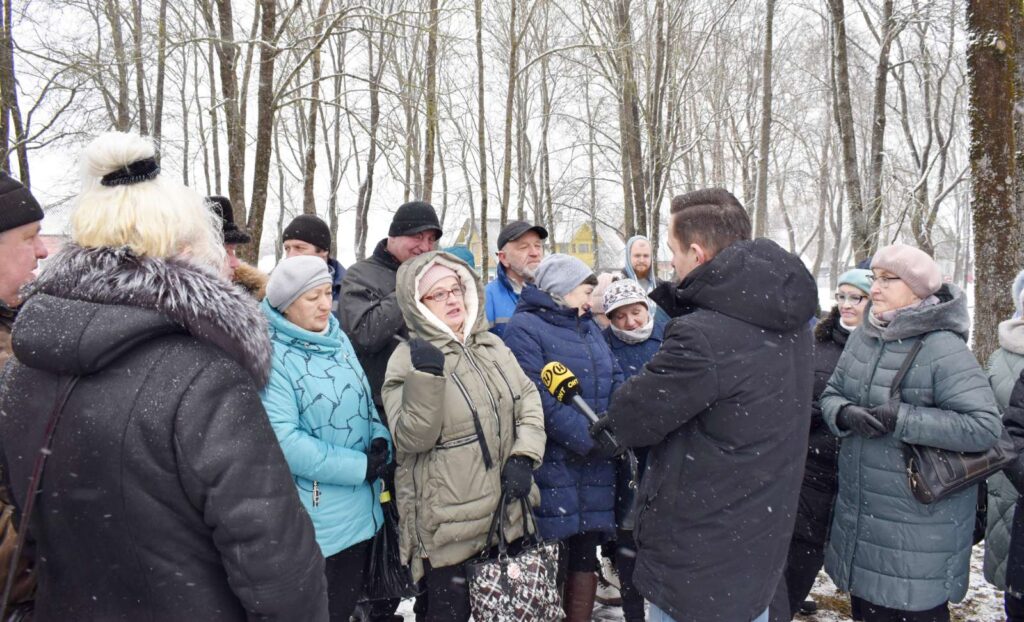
x: 416, y: 495
x: 490, y: 396
x: 515, y: 396
x: 457, y: 442
x: 488, y: 463
x: 316, y: 493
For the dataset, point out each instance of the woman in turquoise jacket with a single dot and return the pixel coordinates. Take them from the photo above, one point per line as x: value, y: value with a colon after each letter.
x: 321, y: 409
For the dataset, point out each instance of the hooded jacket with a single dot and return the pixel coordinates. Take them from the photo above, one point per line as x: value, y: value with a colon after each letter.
x: 7, y: 316
x: 651, y: 282
x: 577, y: 492
x: 885, y: 546
x: 370, y: 315
x: 321, y: 409
x: 166, y: 496
x: 252, y: 279
x: 1004, y: 370
x: 454, y: 433
x: 725, y: 408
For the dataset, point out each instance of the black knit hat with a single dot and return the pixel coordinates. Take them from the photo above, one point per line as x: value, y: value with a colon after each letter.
x: 17, y: 205
x: 309, y: 228
x: 413, y: 217
x: 233, y: 234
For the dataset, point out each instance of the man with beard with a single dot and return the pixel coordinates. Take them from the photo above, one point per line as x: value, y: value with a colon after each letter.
x: 520, y: 250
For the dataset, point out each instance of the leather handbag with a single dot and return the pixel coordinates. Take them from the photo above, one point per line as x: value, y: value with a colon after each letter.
x: 935, y: 473
x: 517, y: 587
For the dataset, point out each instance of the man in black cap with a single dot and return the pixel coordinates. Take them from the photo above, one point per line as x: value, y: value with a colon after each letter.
x: 520, y: 250
x: 371, y: 318
x: 21, y: 248
x: 307, y: 234
x: 250, y: 277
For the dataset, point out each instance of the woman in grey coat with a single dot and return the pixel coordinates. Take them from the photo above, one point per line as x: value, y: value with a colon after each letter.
x: 899, y: 559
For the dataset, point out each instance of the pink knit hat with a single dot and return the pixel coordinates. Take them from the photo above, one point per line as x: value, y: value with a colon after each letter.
x: 436, y: 272
x: 914, y: 267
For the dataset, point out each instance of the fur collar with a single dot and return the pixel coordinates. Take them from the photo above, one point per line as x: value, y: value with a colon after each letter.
x: 252, y: 279
x: 199, y: 301
x: 1011, y: 336
x: 829, y: 329
x: 949, y: 314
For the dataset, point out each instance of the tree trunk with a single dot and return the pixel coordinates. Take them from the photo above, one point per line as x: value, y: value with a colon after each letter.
x: 366, y: 188
x: 513, y: 68
x: 1017, y: 20
x: 10, y: 110
x: 761, y: 192
x: 997, y: 234
x: 309, y: 167
x: 228, y: 58
x: 122, y: 120
x: 265, y: 105
x: 876, y: 152
x: 481, y: 143
x: 630, y: 112
x: 862, y: 236
x: 161, y: 60
x: 431, y: 135
x: 140, y: 76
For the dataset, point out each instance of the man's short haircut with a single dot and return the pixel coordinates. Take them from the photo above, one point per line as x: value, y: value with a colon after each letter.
x: 711, y: 217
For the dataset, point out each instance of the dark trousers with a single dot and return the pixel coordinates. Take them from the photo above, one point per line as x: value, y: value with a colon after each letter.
x: 802, y: 566
x: 447, y: 593
x: 345, y: 571
x: 625, y: 563
x: 1014, y: 607
x: 579, y: 554
x: 869, y: 612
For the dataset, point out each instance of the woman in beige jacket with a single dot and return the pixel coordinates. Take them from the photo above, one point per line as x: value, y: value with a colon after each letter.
x: 467, y: 425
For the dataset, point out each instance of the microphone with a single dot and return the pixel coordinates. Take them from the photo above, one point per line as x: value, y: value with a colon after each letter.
x: 565, y: 387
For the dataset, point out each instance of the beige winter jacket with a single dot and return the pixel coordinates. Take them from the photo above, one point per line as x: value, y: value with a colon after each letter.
x: 446, y: 494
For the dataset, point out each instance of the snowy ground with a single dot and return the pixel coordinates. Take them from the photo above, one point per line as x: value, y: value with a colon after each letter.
x: 983, y: 603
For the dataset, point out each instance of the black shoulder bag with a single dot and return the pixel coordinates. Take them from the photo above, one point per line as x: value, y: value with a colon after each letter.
x: 935, y: 473
x: 33, y: 490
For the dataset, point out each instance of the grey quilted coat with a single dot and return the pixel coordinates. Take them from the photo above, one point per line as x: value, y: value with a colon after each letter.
x: 1004, y: 368
x: 885, y: 546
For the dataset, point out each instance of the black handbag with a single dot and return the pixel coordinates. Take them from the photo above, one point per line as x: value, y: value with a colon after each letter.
x: 386, y: 577
x: 935, y: 473
x: 515, y: 587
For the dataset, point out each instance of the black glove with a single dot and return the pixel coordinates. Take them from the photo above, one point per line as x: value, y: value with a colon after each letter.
x: 887, y: 413
x: 605, y: 445
x: 426, y: 357
x: 860, y: 421
x: 376, y: 460
x: 516, y: 477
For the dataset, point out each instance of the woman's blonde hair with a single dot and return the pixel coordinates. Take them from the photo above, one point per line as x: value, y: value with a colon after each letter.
x: 156, y: 217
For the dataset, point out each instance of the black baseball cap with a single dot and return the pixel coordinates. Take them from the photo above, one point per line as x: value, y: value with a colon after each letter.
x: 516, y: 229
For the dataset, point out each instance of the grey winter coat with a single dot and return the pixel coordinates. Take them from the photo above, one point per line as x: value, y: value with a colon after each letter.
x: 885, y: 546
x: 1004, y: 368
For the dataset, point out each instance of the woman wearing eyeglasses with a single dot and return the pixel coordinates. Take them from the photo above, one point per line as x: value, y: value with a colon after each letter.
x: 467, y: 425
x: 898, y: 558
x: 818, y: 492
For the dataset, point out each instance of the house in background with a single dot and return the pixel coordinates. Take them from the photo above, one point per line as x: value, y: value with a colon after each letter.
x: 571, y: 238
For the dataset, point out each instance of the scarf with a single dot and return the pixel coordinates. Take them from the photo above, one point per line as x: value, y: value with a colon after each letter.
x: 886, y: 317
x: 638, y: 335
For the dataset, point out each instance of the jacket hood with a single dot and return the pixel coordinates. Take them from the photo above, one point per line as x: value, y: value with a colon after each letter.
x: 755, y: 281
x: 540, y: 302
x: 283, y: 331
x: 106, y: 300
x: 628, y: 270
x: 252, y: 279
x: 1011, y: 336
x: 418, y: 318
x: 950, y: 313
x: 830, y: 329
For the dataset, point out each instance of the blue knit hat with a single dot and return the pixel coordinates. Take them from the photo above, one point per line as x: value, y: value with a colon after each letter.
x: 861, y: 279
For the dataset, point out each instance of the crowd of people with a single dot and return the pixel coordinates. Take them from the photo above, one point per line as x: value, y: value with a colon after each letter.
x: 187, y: 438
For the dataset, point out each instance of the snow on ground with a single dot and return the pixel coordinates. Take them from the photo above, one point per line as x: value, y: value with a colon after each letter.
x: 983, y: 602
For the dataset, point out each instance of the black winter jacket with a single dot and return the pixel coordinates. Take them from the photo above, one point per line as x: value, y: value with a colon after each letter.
x: 823, y: 446
x: 370, y: 315
x: 725, y: 406
x: 166, y: 496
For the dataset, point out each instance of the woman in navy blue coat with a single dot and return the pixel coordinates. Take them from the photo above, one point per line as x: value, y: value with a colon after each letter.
x: 552, y: 322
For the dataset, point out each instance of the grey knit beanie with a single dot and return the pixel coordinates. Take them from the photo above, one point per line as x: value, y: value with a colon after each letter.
x: 294, y: 277
x: 559, y: 274
x: 914, y: 266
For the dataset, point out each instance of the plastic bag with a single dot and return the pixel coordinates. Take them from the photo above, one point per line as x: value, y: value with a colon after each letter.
x: 386, y: 577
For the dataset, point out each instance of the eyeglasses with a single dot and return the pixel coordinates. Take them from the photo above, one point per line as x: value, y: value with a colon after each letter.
x: 442, y: 296
x: 853, y: 299
x: 883, y: 281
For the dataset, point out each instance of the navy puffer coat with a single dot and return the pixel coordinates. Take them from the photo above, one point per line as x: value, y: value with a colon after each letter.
x: 577, y: 493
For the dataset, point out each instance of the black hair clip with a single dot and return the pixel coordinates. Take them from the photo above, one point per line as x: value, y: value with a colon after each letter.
x: 137, y: 171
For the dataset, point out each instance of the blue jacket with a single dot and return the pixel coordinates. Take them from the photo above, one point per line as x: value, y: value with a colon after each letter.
x: 633, y: 356
x: 577, y: 493
x: 500, y: 301
x: 322, y: 412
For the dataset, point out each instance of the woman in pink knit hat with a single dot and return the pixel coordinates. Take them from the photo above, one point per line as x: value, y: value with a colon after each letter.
x: 898, y: 558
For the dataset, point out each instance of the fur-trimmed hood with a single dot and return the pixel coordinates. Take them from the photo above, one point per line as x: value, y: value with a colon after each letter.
x: 830, y: 329
x: 252, y: 279
x: 82, y: 293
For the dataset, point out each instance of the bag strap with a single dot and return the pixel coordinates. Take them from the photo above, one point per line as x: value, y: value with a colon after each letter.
x: 895, y: 391
x: 33, y: 488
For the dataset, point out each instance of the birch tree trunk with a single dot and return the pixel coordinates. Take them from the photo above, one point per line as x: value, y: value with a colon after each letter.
x: 761, y: 192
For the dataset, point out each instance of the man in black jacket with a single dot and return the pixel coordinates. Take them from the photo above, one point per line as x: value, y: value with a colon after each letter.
x: 725, y: 407
x: 372, y: 319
